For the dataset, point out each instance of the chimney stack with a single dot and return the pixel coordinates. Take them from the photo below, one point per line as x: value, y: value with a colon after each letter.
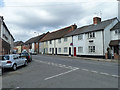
x: 96, y: 20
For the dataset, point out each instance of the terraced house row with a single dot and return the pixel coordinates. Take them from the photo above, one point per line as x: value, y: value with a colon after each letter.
x: 100, y: 39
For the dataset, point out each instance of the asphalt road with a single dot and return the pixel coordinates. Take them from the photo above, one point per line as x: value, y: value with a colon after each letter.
x: 47, y: 71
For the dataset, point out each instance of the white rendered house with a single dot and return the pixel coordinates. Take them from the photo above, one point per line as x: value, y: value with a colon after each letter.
x: 94, y: 39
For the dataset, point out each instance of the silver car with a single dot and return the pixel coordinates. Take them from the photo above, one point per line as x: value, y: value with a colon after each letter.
x: 13, y: 61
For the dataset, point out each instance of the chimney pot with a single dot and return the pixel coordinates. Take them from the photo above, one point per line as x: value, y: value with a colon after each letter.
x: 96, y: 20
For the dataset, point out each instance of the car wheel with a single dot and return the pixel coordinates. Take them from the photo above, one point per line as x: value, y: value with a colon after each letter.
x: 14, y: 67
x: 31, y: 59
x: 26, y: 63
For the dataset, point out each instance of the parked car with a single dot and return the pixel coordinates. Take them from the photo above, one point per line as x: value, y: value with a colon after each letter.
x: 33, y: 53
x: 13, y: 61
x: 27, y: 55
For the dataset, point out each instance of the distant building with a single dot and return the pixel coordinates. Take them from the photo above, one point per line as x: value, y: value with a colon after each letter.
x: 32, y: 45
x: 6, y: 39
x: 18, y: 46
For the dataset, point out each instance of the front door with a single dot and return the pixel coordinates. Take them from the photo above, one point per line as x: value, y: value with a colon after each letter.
x: 52, y: 50
x: 74, y: 51
x: 56, y: 51
x: 69, y: 50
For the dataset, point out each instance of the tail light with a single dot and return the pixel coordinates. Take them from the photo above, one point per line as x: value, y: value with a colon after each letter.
x: 29, y: 57
x: 9, y: 62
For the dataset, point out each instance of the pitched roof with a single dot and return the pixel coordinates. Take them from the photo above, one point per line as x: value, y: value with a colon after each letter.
x: 18, y: 43
x: 35, y: 39
x: 117, y: 26
x: 59, y: 33
x: 91, y: 27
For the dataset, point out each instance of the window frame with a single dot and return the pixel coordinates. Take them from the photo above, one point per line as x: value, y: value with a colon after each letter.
x: 65, y: 39
x: 65, y: 49
x: 59, y: 40
x: 91, y: 49
x: 81, y: 49
x: 59, y: 50
x: 91, y: 35
x: 50, y: 42
x: 80, y: 36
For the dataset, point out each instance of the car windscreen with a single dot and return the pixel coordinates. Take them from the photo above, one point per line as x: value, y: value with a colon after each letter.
x: 24, y: 54
x: 4, y: 57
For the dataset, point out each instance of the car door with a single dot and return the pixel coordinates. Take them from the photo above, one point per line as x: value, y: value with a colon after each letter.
x: 22, y: 60
x: 16, y: 59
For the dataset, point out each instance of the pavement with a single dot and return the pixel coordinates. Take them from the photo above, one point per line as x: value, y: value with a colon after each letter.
x: 87, y: 58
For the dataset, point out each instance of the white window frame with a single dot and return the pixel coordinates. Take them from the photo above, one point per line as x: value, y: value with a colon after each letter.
x: 65, y: 49
x: 117, y: 31
x: 59, y: 50
x: 91, y: 35
x: 65, y: 39
x: 59, y: 40
x: 91, y: 49
x: 80, y: 49
x: 80, y: 37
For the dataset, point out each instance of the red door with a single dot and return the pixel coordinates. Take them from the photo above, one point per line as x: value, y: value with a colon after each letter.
x: 74, y: 51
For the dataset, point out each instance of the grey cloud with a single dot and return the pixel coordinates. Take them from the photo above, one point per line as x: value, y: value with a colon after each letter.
x: 60, y: 15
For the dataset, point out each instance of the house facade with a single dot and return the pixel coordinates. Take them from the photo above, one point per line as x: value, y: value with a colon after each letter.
x: 54, y: 42
x: 18, y: 46
x: 6, y: 38
x: 32, y: 45
x: 64, y: 46
x: 115, y: 41
x: 93, y: 40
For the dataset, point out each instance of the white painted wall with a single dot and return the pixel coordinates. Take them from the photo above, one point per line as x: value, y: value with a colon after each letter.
x: 52, y: 45
x: 97, y: 42
x: 64, y: 44
x: 41, y: 47
x: 107, y: 35
x: 114, y: 36
x: 79, y: 43
x: 33, y: 47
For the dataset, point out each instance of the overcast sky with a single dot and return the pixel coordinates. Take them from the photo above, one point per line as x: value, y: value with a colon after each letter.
x: 24, y: 17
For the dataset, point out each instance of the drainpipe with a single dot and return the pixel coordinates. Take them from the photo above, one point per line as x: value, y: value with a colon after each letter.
x: 103, y: 42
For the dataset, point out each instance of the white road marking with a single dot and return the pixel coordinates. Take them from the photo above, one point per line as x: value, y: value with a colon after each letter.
x: 59, y: 74
x: 64, y: 65
x: 73, y: 68
x: 115, y: 76
x: 55, y: 64
x: 15, y: 88
x: 85, y: 69
x: 94, y: 71
x: 104, y: 73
